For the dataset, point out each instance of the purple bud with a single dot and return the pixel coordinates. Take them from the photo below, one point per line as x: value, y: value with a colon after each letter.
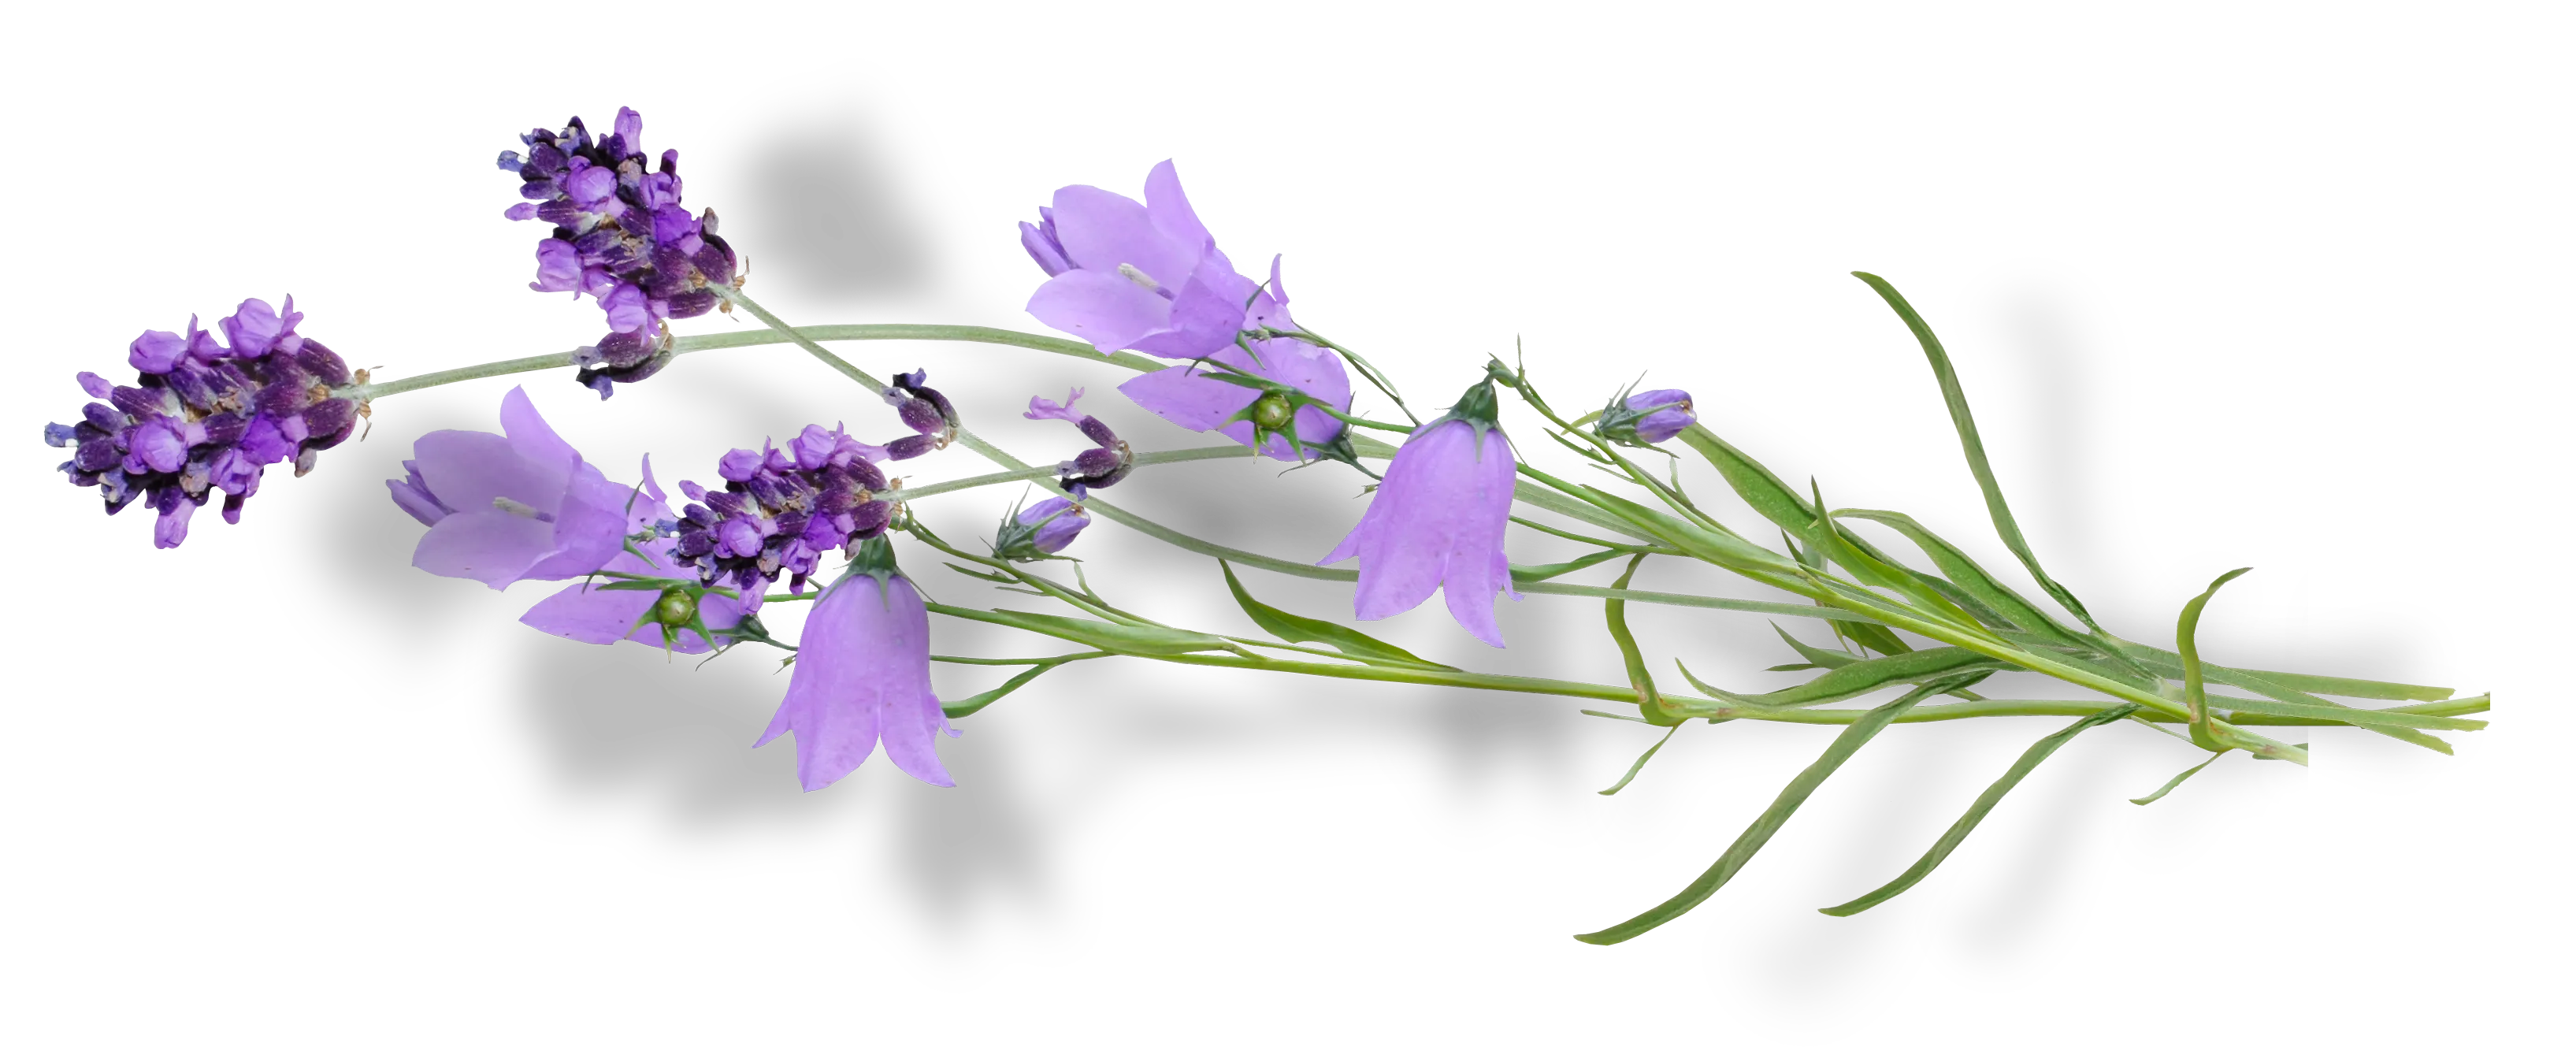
x: 94, y: 385
x: 911, y: 447
x: 252, y: 329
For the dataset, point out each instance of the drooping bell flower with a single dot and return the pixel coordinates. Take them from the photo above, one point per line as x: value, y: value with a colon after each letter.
x: 862, y: 676
x: 1195, y: 397
x: 1097, y: 467
x: 1437, y: 521
x: 1125, y: 275
x: 207, y: 415
x: 518, y: 505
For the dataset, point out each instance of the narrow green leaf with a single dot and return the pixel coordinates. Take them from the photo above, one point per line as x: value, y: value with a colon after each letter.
x: 1145, y: 640
x: 2269, y: 686
x: 2178, y: 780
x: 1641, y: 760
x: 1294, y: 629
x: 1976, y: 812
x: 1845, y: 743
x: 1649, y: 701
x: 2351, y: 688
x: 1611, y: 716
x: 1863, y: 676
x: 971, y: 706
x: 1880, y: 572
x: 2193, y: 691
x: 1966, y: 424
x: 1543, y: 572
x: 1968, y: 575
x: 1823, y: 658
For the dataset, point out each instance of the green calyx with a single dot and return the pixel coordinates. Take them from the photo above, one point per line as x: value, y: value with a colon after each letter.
x: 875, y: 558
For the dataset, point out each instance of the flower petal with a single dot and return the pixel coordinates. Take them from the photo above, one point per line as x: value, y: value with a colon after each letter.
x: 530, y: 435
x: 1101, y: 230
x: 467, y: 470
x: 1103, y: 308
x: 488, y: 546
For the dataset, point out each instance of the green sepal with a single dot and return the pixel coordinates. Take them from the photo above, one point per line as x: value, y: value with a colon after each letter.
x: 1291, y: 628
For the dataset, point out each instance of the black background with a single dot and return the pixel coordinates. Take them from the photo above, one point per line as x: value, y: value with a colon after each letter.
x: 289, y: 720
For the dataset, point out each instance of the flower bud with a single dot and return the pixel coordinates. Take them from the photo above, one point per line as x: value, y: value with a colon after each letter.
x: 1646, y: 418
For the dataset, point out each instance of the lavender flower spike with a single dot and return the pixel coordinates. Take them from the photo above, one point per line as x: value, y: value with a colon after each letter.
x: 519, y: 505
x: 1125, y: 275
x: 1098, y: 467
x: 781, y: 509
x: 1438, y: 521
x: 863, y: 676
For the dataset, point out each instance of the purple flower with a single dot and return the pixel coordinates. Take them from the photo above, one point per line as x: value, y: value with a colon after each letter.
x: 1193, y: 401
x: 558, y: 267
x: 1438, y: 520
x: 1041, y: 408
x: 603, y: 617
x: 1124, y: 275
x: 781, y: 509
x: 206, y: 416
x: 519, y: 505
x: 1650, y: 417
x: 1040, y: 531
x: 925, y: 411
x: 621, y: 236
x: 863, y: 675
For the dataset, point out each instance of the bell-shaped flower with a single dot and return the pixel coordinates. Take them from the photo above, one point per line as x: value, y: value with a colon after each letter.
x: 515, y: 505
x: 1125, y: 275
x: 863, y: 676
x: 1192, y: 397
x: 591, y: 613
x: 1437, y: 522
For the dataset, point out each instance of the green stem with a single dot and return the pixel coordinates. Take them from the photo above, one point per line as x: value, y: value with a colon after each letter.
x: 1047, y: 472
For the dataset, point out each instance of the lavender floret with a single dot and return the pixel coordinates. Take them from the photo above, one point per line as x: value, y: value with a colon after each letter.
x: 780, y: 510
x: 1095, y: 468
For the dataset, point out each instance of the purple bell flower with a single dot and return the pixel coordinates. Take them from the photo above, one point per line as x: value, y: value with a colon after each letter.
x: 1040, y: 531
x: 519, y: 505
x: 603, y: 617
x: 1438, y: 520
x: 1095, y: 468
x: 863, y: 676
x: 1125, y: 275
x: 1189, y: 397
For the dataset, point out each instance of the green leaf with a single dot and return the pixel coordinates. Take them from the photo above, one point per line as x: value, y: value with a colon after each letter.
x: 1649, y: 701
x: 970, y: 706
x: 1878, y: 571
x: 1823, y: 659
x: 1969, y: 442
x: 2270, y: 686
x: 2193, y: 691
x: 1845, y: 743
x: 1542, y: 572
x: 1144, y: 640
x: 1973, y: 579
x: 1862, y: 677
x: 2178, y: 780
x: 2351, y: 688
x: 1641, y: 760
x: 1294, y: 629
x: 1976, y: 812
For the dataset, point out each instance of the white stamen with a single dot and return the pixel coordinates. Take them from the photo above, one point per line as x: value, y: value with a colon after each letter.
x: 1138, y: 275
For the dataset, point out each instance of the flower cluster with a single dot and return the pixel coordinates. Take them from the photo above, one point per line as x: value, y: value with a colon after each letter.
x: 781, y: 509
x: 207, y: 415
x: 622, y: 237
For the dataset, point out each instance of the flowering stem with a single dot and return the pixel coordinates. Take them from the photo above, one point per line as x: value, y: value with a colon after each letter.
x: 378, y: 391
x: 1047, y: 472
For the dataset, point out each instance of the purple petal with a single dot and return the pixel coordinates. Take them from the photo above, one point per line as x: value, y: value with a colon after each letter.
x: 1041, y: 250
x: 1041, y: 408
x: 530, y: 435
x: 491, y: 547
x: 172, y: 528
x: 1101, y: 230
x: 1103, y: 308
x: 155, y: 352
x: 1169, y: 209
x: 468, y: 470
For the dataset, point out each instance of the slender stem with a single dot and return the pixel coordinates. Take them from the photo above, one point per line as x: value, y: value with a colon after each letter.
x: 1047, y: 472
x: 915, y: 333
x: 378, y: 391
